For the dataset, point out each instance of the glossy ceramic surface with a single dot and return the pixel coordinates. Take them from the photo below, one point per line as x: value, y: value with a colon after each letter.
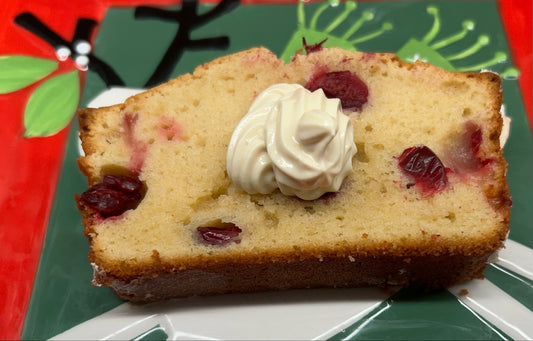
x: 118, y: 52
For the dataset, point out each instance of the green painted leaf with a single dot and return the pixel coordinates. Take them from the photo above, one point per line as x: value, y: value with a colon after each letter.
x: 17, y: 72
x: 52, y: 105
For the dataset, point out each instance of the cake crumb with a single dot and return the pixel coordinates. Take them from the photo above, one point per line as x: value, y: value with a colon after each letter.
x: 463, y: 292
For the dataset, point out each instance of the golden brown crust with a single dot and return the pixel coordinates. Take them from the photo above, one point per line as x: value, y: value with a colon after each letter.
x: 498, y: 194
x: 338, y: 272
x: 84, y: 122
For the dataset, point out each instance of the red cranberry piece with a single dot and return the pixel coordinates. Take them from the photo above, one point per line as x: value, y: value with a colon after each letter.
x: 220, y: 235
x: 125, y: 184
x: 475, y: 138
x: 422, y: 165
x: 138, y: 147
x: 344, y: 85
x: 115, y: 195
x: 314, y: 47
x: 462, y: 153
x: 107, y: 202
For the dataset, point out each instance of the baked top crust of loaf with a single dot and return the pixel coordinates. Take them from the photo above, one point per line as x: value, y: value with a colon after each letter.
x: 175, y: 137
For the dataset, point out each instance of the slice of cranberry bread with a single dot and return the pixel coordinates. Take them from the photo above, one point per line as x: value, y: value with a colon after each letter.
x: 426, y: 202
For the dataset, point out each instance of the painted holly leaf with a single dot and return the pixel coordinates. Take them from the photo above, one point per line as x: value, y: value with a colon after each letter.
x: 52, y: 105
x: 17, y: 72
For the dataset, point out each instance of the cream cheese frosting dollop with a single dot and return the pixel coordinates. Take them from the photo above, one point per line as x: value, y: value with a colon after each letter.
x: 292, y: 139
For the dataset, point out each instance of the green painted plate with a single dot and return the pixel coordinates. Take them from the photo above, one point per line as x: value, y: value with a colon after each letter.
x: 462, y: 35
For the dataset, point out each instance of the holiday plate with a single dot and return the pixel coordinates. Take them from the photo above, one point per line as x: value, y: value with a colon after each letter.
x: 55, y: 57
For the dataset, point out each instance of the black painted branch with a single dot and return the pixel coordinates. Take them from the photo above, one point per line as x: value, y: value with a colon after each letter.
x: 170, y: 59
x: 106, y: 73
x: 214, y: 42
x: 84, y: 29
x: 144, y: 12
x: 34, y: 25
x: 187, y: 18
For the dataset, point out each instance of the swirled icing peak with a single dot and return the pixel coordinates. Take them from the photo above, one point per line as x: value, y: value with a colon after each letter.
x: 292, y: 139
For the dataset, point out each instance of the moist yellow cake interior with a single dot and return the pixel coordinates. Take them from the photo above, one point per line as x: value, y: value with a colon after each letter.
x: 187, y: 184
